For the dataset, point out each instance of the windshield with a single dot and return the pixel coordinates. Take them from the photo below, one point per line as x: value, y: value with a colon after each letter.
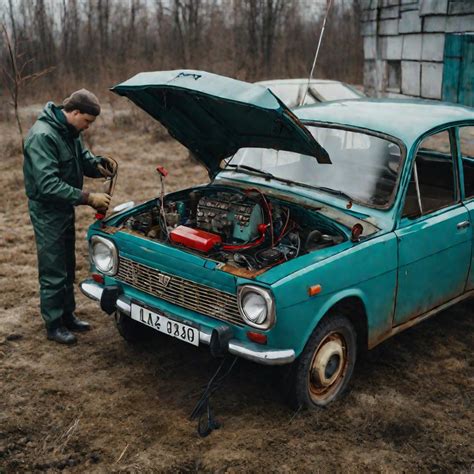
x: 364, y: 167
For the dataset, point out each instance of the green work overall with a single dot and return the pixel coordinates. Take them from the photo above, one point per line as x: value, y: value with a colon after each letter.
x: 54, y: 167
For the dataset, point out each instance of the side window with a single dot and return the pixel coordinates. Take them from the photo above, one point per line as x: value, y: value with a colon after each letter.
x: 433, y: 179
x: 466, y: 136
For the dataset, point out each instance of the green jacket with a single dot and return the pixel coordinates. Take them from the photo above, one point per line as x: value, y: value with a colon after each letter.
x: 56, y: 160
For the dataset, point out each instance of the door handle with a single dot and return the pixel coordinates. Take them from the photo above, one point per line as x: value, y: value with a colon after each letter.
x: 463, y: 224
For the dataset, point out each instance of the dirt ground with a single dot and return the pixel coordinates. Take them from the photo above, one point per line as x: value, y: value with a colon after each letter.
x: 105, y: 406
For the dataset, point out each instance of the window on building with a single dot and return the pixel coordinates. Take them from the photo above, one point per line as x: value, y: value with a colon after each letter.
x: 466, y: 136
x: 393, y: 76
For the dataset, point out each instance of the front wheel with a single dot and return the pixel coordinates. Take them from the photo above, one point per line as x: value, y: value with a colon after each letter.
x: 323, y: 370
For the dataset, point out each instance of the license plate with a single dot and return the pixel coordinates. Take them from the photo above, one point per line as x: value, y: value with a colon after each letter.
x: 165, y: 325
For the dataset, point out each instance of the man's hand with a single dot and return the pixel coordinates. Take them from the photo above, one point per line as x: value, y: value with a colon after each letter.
x: 99, y: 201
x: 108, y: 167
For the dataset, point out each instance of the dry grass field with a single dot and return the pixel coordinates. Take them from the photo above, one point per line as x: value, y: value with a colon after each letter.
x: 105, y: 406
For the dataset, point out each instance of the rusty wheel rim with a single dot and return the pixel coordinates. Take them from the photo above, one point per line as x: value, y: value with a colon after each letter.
x: 328, y: 368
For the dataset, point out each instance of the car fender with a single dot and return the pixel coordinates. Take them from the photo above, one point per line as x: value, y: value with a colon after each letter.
x: 330, y: 303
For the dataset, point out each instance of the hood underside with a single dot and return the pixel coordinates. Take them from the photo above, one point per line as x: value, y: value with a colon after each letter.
x: 213, y: 116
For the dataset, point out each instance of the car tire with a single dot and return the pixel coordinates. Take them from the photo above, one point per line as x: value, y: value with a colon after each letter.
x: 323, y: 371
x: 132, y: 331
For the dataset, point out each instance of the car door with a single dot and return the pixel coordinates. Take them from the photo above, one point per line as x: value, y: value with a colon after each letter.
x: 466, y: 145
x: 434, y: 233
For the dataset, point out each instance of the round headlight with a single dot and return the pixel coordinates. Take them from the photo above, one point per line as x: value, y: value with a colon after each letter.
x: 256, y: 306
x: 104, y: 255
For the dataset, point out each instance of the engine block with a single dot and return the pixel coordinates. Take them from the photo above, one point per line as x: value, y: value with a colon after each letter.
x: 232, y: 215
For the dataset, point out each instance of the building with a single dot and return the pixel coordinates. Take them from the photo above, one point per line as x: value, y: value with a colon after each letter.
x: 419, y: 48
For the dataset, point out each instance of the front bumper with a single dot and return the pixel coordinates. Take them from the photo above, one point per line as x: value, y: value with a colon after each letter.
x: 245, y: 349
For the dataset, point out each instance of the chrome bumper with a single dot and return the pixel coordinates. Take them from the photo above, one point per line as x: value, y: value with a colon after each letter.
x: 247, y: 350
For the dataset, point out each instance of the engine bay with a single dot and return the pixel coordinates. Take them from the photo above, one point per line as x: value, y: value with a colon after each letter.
x: 241, y: 228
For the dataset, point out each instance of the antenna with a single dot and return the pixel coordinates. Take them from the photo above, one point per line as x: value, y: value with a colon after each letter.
x: 329, y: 3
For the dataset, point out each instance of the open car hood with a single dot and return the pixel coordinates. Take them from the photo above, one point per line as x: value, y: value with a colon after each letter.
x: 213, y: 116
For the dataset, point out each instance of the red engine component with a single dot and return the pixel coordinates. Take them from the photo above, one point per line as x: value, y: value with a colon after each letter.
x: 195, y: 238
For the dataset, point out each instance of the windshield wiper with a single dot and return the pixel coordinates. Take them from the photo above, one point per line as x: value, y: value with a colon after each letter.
x: 265, y: 174
x: 335, y: 192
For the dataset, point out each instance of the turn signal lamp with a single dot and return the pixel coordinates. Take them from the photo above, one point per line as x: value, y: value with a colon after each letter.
x: 314, y: 290
x: 257, y: 337
x: 98, y: 278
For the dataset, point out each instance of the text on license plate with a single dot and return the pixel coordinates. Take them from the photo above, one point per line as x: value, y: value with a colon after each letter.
x: 165, y: 325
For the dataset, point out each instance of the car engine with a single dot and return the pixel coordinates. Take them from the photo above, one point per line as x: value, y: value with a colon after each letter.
x: 244, y: 229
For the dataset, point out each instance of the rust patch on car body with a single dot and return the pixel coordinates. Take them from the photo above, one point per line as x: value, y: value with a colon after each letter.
x: 108, y: 229
x: 242, y: 272
x: 378, y: 338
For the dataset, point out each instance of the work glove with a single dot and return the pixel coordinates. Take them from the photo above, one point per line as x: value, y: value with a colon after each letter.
x: 107, y: 167
x: 99, y: 201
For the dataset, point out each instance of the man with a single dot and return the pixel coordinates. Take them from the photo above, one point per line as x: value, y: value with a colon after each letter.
x: 55, y: 162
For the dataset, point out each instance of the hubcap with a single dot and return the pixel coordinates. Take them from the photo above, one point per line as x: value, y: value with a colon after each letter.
x: 328, y: 367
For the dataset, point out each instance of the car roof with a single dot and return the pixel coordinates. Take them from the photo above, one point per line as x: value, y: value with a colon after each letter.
x: 299, y: 81
x: 405, y: 119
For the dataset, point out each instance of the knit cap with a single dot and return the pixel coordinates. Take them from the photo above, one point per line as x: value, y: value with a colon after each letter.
x: 84, y: 101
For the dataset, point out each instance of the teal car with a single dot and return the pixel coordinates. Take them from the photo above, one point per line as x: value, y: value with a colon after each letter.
x: 322, y: 232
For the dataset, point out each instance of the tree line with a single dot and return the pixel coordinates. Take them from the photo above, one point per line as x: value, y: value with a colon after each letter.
x: 97, y: 43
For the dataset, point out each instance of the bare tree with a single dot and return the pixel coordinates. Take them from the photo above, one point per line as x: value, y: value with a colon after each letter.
x: 96, y: 42
x: 103, y: 8
x: 187, y: 21
x: 12, y: 21
x: 43, y: 37
x: 14, y: 78
x: 264, y: 20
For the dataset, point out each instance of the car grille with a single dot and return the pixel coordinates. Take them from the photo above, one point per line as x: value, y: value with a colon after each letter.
x: 179, y: 291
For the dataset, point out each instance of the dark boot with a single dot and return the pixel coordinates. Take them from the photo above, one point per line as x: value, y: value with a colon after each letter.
x: 75, y: 324
x: 55, y: 331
